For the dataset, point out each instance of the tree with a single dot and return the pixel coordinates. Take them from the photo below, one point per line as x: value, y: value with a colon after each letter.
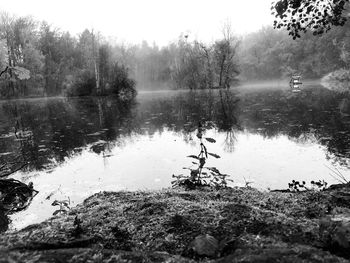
x: 15, y: 36
x: 225, y: 66
x: 52, y: 47
x: 88, y: 47
x: 318, y: 16
x: 104, y: 64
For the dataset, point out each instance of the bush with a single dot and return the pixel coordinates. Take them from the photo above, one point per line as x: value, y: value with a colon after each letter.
x: 338, y: 80
x: 120, y: 84
x: 83, y: 85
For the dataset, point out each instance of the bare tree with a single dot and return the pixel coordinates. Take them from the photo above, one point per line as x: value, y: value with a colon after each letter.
x: 226, y: 68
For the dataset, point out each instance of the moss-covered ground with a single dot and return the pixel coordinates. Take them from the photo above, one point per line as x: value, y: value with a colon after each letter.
x: 243, y: 225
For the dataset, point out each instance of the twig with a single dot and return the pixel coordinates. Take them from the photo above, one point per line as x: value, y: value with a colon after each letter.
x: 336, y: 175
x: 13, y: 171
x: 2, y: 72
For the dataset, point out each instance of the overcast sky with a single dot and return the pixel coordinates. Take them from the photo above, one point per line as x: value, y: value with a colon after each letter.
x: 160, y: 21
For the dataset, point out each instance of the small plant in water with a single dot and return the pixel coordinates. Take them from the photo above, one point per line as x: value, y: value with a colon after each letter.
x: 202, y: 175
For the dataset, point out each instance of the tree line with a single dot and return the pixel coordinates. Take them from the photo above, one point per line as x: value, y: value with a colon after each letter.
x: 271, y: 53
x: 57, y: 63
x: 37, y: 59
x: 266, y: 54
x: 184, y: 63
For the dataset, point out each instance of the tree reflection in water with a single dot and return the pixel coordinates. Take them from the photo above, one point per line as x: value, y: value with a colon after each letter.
x: 56, y: 129
x: 49, y: 132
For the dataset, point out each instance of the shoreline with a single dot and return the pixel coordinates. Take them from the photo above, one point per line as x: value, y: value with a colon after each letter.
x: 232, y: 224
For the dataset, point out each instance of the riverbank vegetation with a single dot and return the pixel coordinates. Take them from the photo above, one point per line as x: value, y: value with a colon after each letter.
x: 57, y: 63
x: 207, y: 225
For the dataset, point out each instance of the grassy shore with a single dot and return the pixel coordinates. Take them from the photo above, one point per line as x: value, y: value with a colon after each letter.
x: 206, y: 225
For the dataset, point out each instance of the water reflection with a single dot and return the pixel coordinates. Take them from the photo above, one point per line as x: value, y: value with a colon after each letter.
x: 48, y: 131
x: 76, y: 147
x: 313, y: 114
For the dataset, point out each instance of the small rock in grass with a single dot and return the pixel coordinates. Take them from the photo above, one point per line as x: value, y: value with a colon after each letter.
x: 205, y: 245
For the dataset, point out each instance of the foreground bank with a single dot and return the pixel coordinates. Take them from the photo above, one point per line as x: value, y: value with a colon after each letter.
x: 228, y: 225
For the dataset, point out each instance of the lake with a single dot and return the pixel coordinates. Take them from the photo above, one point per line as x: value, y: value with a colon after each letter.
x: 79, y: 146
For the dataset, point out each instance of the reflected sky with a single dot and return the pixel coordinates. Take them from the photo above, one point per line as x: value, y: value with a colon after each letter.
x: 77, y: 147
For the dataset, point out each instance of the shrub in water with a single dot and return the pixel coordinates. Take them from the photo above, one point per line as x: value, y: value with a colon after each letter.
x: 120, y: 83
x: 83, y: 85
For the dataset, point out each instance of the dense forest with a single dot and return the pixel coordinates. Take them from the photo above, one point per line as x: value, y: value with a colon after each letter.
x: 37, y: 59
x: 271, y: 53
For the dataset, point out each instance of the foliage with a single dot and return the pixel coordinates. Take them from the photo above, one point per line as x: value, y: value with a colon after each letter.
x: 116, y: 81
x: 319, y: 16
x: 56, y: 62
x: 339, y: 81
x: 207, y: 66
x: 63, y: 207
x: 19, y: 72
x: 271, y: 54
x: 341, y: 75
x: 185, y: 63
x: 83, y: 84
x: 296, y: 186
x: 225, y: 66
x: 120, y: 83
x: 202, y: 175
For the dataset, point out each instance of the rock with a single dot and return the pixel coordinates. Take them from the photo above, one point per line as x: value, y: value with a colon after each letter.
x: 205, y: 245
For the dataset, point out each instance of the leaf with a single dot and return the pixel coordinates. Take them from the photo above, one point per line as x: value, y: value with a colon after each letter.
x: 194, y: 174
x: 214, y: 155
x: 65, y: 203
x: 205, y: 150
x: 21, y: 73
x: 193, y: 156
x: 210, y: 140
x: 213, y: 169
x: 55, y: 203
x: 59, y: 211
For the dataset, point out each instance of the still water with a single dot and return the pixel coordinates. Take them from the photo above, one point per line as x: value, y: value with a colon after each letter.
x: 79, y: 146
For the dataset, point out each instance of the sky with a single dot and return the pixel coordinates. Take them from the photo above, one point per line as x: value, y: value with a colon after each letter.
x: 159, y: 21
